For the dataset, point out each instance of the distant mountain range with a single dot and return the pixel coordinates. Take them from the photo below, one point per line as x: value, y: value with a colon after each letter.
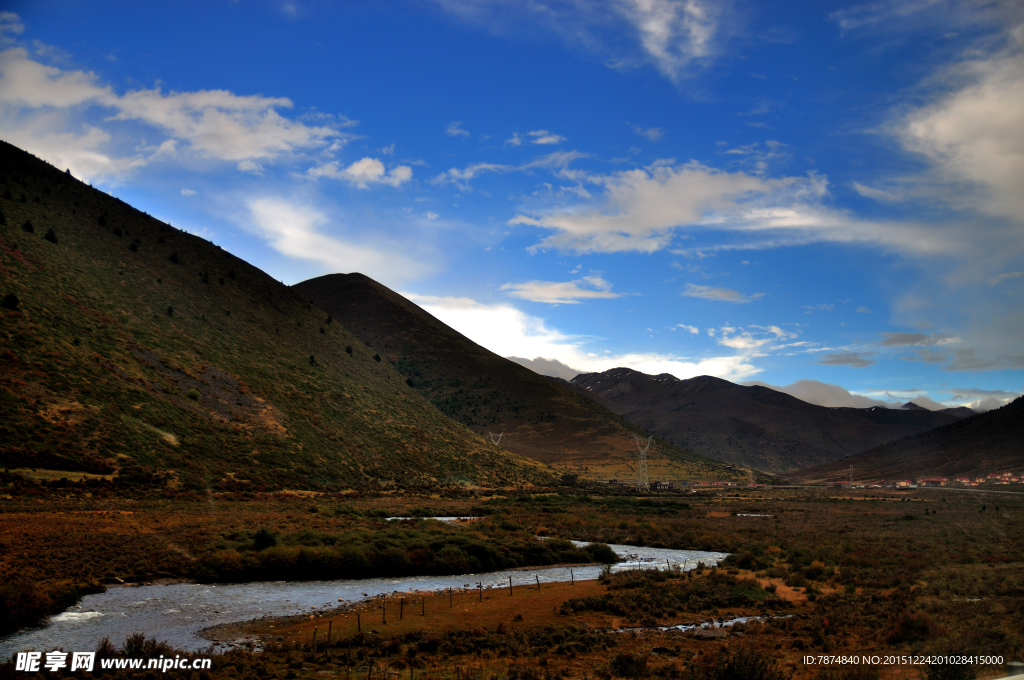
x: 753, y: 426
x: 983, y: 443
x: 536, y: 416
x: 130, y: 347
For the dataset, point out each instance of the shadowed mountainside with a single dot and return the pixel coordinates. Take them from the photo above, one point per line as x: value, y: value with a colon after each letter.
x: 131, y: 347
x: 540, y: 417
x: 751, y: 426
x: 984, y: 443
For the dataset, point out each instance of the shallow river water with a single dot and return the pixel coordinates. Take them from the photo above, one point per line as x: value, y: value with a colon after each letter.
x: 175, y: 613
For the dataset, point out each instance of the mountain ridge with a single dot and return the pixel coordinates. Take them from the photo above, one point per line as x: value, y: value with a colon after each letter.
x: 536, y: 415
x: 751, y: 425
x: 980, y: 444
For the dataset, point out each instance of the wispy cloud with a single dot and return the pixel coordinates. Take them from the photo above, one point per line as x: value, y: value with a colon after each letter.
x: 455, y: 129
x: 362, y: 173
x: 1006, y: 276
x: 545, y: 137
x: 10, y: 25
x: 718, y: 294
x: 556, y: 161
x: 677, y: 37
x: 300, y: 231
x: 851, y: 359
x: 917, y: 339
x: 642, y: 209
x: 509, y: 332
x: 652, y: 134
x: 967, y: 360
x: 565, y: 292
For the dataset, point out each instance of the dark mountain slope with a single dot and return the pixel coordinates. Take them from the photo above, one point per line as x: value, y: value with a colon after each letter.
x: 133, y: 347
x: 751, y: 426
x: 983, y: 443
x: 539, y: 417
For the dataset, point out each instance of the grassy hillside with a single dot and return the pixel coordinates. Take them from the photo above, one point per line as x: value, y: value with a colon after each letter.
x: 984, y: 443
x: 132, y: 348
x: 539, y: 417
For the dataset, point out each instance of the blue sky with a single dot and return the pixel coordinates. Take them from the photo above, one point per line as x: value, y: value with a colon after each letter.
x: 826, y: 197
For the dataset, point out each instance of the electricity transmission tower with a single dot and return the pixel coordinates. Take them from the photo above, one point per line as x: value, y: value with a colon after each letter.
x: 642, y: 445
x: 495, y: 438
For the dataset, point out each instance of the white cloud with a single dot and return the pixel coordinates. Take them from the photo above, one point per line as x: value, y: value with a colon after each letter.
x: 506, y: 331
x: 674, y: 33
x: 213, y: 124
x: 431, y: 215
x: 514, y: 140
x: 222, y: 125
x: 690, y: 329
x: 642, y: 209
x: 550, y: 367
x: 567, y: 292
x: 545, y: 137
x: 863, y: 310
x: 82, y: 153
x: 26, y: 83
x: 454, y: 129
x: 188, y: 192
x: 251, y: 167
x: 835, y: 396
x: 978, y: 399
x: 824, y: 394
x: 973, y: 132
x: 297, y: 231
x: 362, y: 173
x: 718, y: 294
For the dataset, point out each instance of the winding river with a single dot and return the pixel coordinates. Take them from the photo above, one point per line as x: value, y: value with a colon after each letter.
x: 176, y: 613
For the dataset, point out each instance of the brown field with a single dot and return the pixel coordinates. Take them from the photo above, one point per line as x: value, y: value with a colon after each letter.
x: 856, y: 572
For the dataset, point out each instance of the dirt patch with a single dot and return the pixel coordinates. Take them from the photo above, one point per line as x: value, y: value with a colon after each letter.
x: 215, y: 393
